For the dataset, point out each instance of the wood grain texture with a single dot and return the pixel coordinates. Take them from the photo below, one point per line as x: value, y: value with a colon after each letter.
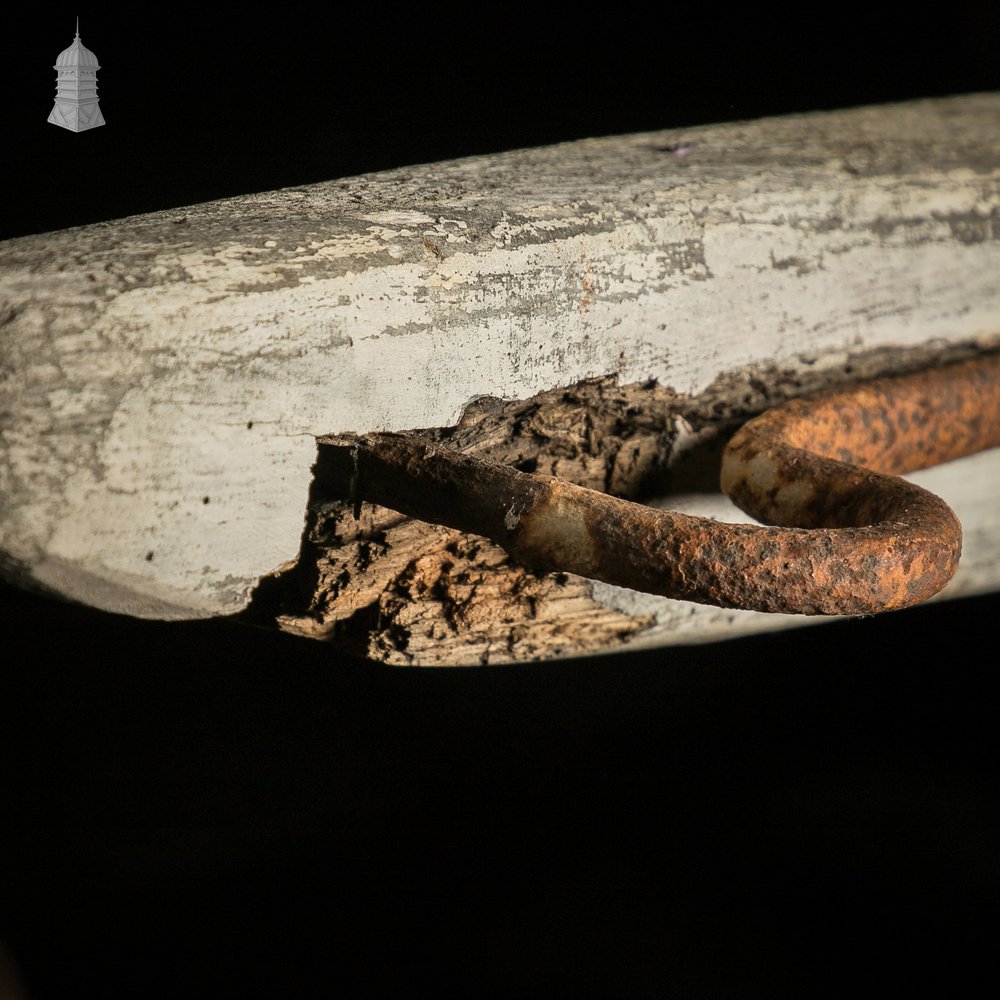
x: 165, y: 376
x: 411, y: 593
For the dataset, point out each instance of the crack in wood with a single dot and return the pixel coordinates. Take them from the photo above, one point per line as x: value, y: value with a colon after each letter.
x: 409, y: 593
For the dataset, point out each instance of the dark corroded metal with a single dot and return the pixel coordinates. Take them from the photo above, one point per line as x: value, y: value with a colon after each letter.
x: 842, y: 534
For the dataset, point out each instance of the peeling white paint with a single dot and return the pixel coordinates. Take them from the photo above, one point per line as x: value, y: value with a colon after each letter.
x: 201, y: 360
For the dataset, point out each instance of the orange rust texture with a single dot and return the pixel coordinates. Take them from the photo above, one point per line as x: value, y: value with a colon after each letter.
x: 897, y: 425
x: 890, y: 543
x: 405, y: 591
x: 854, y: 540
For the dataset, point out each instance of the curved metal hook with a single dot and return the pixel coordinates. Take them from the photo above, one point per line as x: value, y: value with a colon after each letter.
x: 842, y: 534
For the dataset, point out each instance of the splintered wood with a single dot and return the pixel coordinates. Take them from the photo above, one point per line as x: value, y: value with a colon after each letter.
x: 406, y: 592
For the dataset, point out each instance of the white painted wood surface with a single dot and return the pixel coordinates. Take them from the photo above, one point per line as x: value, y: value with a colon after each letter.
x: 164, y: 376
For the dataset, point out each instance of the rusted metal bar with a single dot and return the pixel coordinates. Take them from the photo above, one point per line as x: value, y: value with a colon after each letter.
x: 843, y: 534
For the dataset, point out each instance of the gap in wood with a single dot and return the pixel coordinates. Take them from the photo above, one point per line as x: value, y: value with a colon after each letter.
x: 409, y: 593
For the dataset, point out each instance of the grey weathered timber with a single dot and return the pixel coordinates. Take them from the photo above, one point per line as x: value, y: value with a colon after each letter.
x: 165, y: 376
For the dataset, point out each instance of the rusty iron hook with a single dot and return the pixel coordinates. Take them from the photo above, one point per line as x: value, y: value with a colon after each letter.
x: 842, y: 534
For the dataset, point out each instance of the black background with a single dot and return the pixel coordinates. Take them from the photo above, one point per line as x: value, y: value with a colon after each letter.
x: 201, y: 809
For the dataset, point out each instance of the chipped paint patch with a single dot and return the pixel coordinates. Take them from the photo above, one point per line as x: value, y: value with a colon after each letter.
x: 388, y: 302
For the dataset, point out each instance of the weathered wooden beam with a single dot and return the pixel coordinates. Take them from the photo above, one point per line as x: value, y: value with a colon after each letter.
x: 165, y: 376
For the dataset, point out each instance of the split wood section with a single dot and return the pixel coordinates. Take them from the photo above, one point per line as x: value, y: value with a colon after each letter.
x: 411, y: 592
x: 853, y: 539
